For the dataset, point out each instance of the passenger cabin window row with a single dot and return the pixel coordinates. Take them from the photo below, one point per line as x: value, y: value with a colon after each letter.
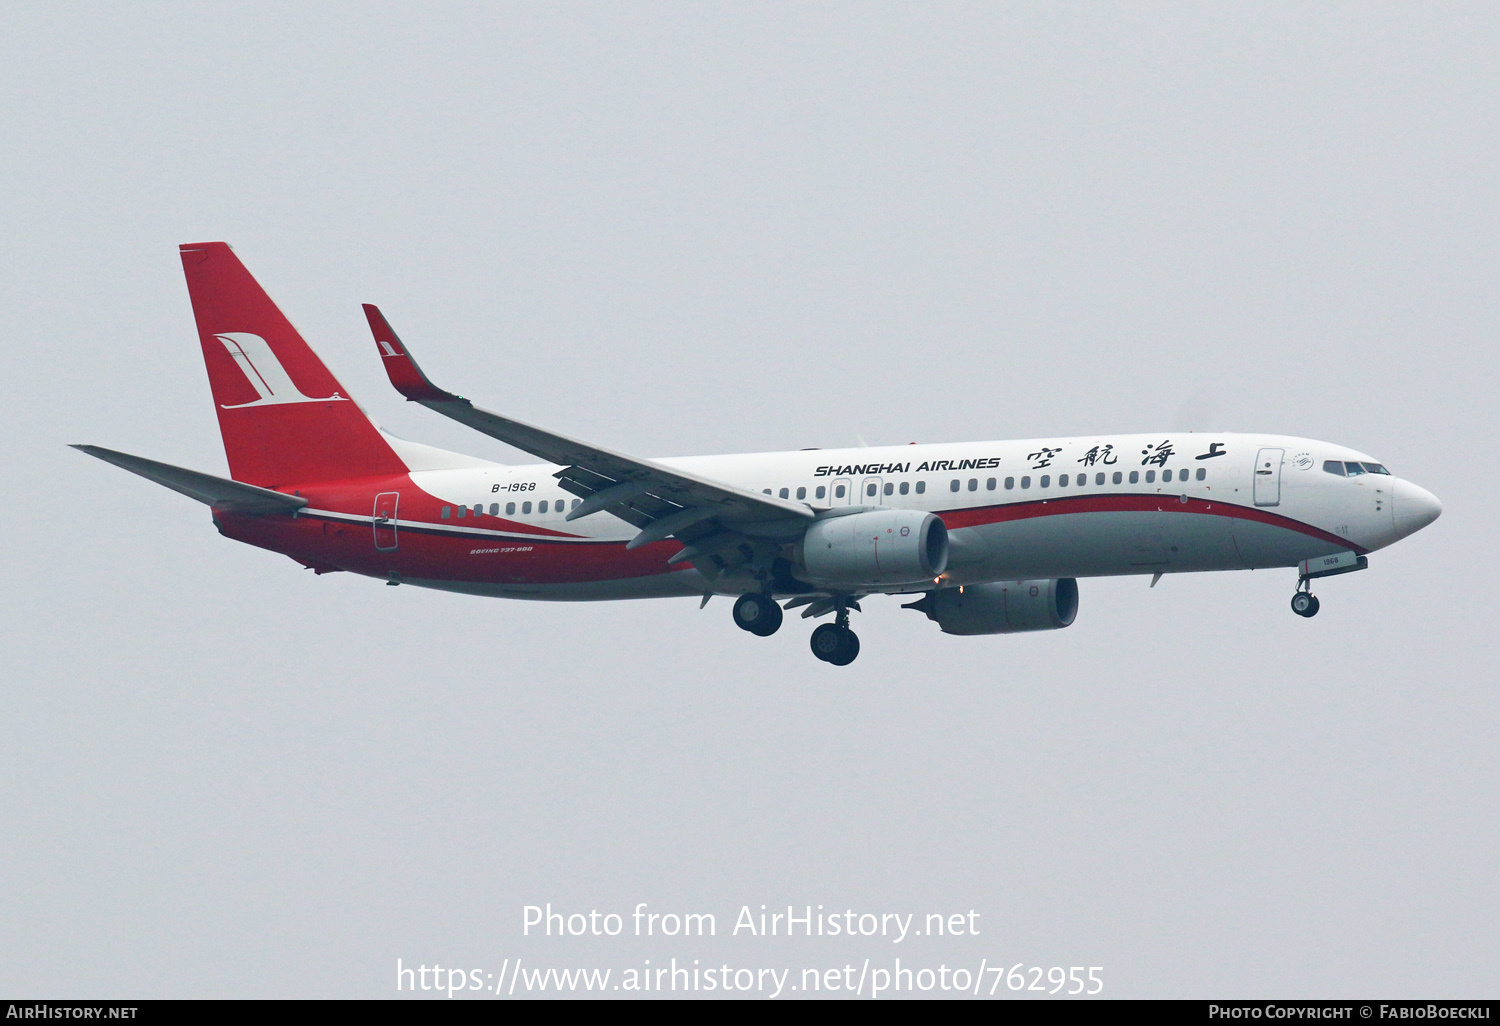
x: 1348, y: 468
x: 1064, y: 480
x: 840, y: 490
x: 554, y: 505
x: 873, y: 489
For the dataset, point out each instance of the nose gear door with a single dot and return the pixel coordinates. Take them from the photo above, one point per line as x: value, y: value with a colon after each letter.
x: 1268, y: 477
x: 385, y: 520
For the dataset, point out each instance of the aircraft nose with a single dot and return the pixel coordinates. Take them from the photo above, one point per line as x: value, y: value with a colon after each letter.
x: 1414, y: 507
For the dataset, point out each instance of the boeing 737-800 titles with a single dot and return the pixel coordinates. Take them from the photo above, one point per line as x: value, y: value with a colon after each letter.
x: 990, y: 537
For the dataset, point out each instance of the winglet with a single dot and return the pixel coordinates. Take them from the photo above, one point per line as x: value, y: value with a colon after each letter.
x: 403, y: 371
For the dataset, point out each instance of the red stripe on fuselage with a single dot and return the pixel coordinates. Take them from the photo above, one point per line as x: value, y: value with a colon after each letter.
x: 1115, y: 503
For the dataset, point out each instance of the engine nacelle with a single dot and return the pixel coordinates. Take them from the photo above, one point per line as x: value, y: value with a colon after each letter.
x: 1006, y: 607
x: 874, y: 548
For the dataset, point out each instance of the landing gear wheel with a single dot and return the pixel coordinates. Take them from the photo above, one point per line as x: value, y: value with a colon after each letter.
x: 757, y: 614
x: 1305, y: 603
x: 834, y: 644
x: 851, y: 649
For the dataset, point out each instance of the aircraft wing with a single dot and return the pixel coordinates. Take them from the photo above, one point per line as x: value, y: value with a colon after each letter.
x: 218, y: 492
x: 662, y: 501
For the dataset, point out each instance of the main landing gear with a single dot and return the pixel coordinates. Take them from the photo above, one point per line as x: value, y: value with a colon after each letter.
x: 757, y: 614
x: 1304, y: 602
x: 834, y: 642
x: 831, y: 642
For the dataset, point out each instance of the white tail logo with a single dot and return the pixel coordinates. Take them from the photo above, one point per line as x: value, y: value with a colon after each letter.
x: 264, y: 372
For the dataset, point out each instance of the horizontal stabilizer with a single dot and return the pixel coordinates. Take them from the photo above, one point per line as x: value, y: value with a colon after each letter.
x: 218, y: 492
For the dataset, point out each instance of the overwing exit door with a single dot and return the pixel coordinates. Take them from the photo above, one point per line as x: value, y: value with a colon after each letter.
x: 1268, y: 477
x: 385, y: 520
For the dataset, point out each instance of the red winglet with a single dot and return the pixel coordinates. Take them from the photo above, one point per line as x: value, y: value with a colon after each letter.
x: 403, y: 371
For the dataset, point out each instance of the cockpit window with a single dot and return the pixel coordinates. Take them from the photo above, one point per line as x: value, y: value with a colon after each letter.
x: 1333, y: 467
x: 1375, y: 468
x: 1353, y: 468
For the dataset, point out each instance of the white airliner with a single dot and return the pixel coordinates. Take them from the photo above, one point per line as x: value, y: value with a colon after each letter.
x: 991, y: 537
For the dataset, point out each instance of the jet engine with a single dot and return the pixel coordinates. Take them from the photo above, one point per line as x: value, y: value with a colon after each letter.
x: 1004, y: 607
x: 874, y: 548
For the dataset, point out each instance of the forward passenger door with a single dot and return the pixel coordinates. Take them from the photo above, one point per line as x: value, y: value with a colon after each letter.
x: 1268, y: 477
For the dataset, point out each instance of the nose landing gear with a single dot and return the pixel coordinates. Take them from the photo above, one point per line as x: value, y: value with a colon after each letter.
x: 1304, y: 602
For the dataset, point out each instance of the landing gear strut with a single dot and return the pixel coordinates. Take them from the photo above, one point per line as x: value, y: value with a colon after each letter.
x: 834, y: 642
x: 757, y: 614
x: 1304, y: 602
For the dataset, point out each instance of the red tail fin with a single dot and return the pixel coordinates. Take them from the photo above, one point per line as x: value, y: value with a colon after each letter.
x: 284, y: 417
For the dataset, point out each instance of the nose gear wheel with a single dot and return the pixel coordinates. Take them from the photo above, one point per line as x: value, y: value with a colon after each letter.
x: 1305, y: 603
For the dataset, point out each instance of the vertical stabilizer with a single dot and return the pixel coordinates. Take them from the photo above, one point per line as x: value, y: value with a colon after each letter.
x: 284, y: 416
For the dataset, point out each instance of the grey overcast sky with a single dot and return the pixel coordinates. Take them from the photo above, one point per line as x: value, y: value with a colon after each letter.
x: 684, y: 228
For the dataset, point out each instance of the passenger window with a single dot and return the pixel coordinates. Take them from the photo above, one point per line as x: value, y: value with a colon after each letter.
x: 1046, y: 480
x: 510, y: 509
x: 905, y: 487
x: 973, y: 484
x: 953, y: 485
x: 1374, y: 468
x: 801, y: 493
x: 463, y: 511
x: 1135, y: 475
x: 575, y: 503
x: 838, y: 492
x: 1010, y: 483
x: 889, y: 488
x: 447, y: 512
x: 921, y: 487
x: 766, y: 491
x: 870, y: 488
x: 785, y: 494
x: 1117, y: 478
x: 1333, y: 467
x: 494, y: 509
x: 525, y: 507
x: 989, y: 485
x: 1025, y: 482
x: 1062, y: 482
x: 478, y: 509
x: 542, y: 506
x: 1151, y: 476
x: 1202, y: 473
x: 1098, y: 479
x: 820, y: 492
x: 1353, y: 468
